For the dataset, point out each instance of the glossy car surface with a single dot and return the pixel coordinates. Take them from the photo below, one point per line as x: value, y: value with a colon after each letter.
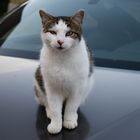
x: 112, y: 110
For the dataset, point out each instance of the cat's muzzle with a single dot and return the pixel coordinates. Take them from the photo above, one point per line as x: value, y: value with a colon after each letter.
x: 60, y: 48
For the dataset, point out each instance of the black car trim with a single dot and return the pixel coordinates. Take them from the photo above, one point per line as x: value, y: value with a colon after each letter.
x: 10, y: 19
x: 117, y: 64
x: 19, y: 53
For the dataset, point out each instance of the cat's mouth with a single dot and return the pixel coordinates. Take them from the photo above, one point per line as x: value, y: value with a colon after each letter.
x: 60, y: 48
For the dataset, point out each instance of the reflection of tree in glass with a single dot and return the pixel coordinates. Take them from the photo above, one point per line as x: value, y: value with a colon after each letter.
x: 79, y: 133
x: 3, y: 7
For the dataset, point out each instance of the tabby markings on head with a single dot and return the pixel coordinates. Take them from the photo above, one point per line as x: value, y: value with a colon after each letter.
x: 73, y: 22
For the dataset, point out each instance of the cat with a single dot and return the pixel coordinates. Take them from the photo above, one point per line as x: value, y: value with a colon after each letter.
x: 66, y: 69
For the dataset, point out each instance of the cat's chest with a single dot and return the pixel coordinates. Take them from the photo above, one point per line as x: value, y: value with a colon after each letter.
x: 64, y: 71
x: 59, y: 70
x: 66, y: 67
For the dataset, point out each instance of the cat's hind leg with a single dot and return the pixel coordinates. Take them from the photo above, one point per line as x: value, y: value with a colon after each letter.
x: 39, y: 95
x: 42, y: 99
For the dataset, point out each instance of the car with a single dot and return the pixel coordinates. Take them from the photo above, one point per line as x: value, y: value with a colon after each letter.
x: 112, y: 109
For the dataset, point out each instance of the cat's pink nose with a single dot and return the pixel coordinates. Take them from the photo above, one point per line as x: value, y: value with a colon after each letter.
x: 60, y: 42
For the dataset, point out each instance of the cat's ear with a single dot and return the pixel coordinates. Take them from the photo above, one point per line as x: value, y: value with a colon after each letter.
x: 78, y: 17
x: 45, y: 16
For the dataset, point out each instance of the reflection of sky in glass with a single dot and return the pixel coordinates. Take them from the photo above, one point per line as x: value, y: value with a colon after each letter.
x: 26, y: 36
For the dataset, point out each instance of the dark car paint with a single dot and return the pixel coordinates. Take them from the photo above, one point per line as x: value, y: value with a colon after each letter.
x: 128, y: 128
x: 108, y: 110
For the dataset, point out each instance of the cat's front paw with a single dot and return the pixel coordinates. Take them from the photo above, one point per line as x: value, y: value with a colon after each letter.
x: 70, y: 124
x: 54, y: 128
x: 70, y: 120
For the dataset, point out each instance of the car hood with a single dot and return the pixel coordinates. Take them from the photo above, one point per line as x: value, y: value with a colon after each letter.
x: 113, y: 103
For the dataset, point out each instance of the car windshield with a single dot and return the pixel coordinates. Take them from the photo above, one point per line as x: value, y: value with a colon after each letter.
x: 111, y: 27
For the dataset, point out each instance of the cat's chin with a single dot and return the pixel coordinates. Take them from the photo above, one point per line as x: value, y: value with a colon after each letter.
x: 60, y: 49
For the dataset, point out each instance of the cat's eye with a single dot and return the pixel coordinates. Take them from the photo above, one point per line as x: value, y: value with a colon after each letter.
x: 72, y: 34
x: 69, y: 33
x: 52, y: 32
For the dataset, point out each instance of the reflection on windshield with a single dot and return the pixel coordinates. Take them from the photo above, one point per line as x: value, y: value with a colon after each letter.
x: 93, y: 1
x: 111, y: 28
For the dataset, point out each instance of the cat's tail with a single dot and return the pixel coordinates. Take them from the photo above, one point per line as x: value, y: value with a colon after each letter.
x: 39, y: 88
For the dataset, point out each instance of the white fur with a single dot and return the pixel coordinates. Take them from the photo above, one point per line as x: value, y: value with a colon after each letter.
x: 65, y: 73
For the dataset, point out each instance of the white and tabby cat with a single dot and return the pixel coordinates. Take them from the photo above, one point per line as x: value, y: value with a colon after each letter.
x: 65, y: 73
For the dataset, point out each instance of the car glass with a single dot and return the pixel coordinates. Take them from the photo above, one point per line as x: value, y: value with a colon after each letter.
x: 111, y: 28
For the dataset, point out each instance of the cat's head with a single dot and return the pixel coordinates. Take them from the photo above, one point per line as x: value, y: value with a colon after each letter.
x: 61, y: 32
